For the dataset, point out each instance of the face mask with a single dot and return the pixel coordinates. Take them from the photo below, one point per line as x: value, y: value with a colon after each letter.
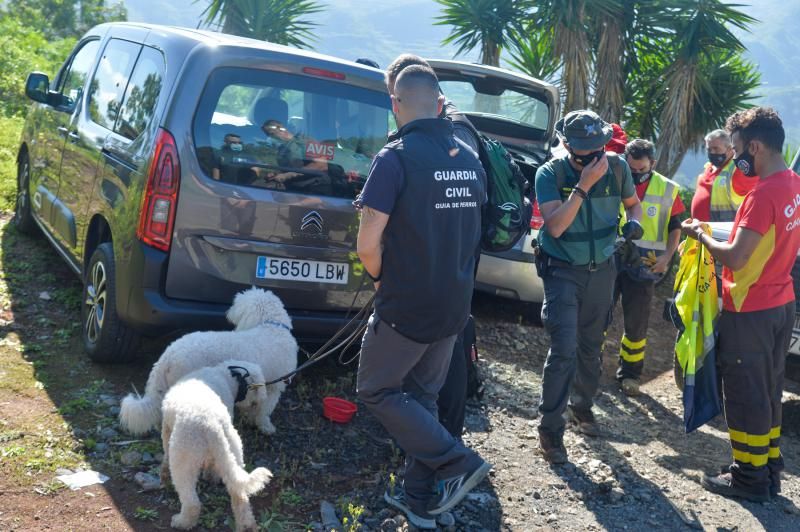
x: 641, y: 177
x: 585, y: 160
x: 746, y: 164
x: 717, y: 159
x: 235, y: 147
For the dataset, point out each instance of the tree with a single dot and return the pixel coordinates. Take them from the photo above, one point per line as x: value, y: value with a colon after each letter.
x: 277, y: 21
x: 701, y: 32
x: 64, y: 18
x: 485, y: 24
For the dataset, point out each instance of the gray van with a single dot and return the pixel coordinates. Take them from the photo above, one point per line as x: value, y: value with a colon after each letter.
x: 171, y: 168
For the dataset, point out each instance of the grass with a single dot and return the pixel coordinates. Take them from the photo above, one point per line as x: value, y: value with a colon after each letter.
x: 9, y: 144
x: 145, y: 514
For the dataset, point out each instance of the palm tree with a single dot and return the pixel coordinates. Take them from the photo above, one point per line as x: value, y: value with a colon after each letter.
x: 702, y: 30
x: 278, y: 21
x: 488, y: 24
x: 533, y: 54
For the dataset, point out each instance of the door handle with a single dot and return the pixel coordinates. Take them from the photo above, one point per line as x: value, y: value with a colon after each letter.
x: 63, y: 131
x: 73, y: 137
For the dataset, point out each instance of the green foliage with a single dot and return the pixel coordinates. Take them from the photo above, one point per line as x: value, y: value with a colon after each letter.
x: 486, y: 24
x: 9, y: 144
x: 145, y: 514
x: 25, y: 49
x: 57, y: 19
x: 277, y: 21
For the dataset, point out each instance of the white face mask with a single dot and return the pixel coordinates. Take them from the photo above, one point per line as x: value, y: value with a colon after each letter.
x: 235, y: 146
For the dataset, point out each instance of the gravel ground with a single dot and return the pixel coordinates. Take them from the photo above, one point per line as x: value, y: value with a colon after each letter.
x: 58, y: 412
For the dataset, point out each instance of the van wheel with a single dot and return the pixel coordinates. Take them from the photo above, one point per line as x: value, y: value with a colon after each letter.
x: 23, y: 218
x: 105, y: 338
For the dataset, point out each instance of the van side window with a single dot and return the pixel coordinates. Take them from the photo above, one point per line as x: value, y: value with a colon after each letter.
x: 142, y: 94
x: 110, y: 81
x: 74, y: 79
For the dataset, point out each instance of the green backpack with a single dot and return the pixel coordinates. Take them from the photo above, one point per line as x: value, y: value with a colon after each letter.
x: 507, y: 214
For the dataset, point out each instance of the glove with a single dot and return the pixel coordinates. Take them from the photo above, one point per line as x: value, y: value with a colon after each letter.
x: 650, y: 259
x: 632, y: 230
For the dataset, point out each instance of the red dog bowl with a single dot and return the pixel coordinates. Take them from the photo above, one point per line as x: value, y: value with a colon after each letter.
x: 338, y: 410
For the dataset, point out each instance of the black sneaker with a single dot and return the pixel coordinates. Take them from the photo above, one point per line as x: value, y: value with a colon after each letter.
x: 422, y: 520
x: 552, y: 447
x: 585, y: 421
x: 723, y: 485
x: 453, y: 490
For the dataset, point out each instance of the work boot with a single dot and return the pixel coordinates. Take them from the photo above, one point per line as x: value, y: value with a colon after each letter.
x: 723, y: 485
x: 630, y: 387
x: 774, y: 480
x: 585, y: 421
x: 552, y: 447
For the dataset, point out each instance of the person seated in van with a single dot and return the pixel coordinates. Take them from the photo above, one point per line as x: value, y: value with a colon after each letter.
x: 293, y: 154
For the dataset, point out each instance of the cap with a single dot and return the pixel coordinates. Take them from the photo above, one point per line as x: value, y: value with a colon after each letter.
x: 619, y: 139
x: 584, y: 130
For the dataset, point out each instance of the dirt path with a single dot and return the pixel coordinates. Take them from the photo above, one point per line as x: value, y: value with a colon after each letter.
x: 58, y: 411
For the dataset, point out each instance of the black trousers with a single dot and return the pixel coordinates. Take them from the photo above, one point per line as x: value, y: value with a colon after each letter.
x: 752, y: 354
x: 636, y: 298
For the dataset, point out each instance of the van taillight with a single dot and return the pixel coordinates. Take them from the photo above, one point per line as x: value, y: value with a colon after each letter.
x: 160, y: 199
x: 319, y: 72
x: 536, y: 220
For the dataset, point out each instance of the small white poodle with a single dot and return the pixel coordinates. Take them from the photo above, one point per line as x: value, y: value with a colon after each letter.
x: 263, y: 335
x: 198, y: 435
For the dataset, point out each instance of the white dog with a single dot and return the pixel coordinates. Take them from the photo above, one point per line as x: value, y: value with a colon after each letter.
x: 198, y: 435
x: 263, y: 335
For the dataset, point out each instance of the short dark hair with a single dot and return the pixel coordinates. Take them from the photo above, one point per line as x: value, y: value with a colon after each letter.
x: 758, y: 123
x: 640, y: 148
x: 401, y: 63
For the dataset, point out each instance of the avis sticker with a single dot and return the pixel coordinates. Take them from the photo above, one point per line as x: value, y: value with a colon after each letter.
x: 319, y: 150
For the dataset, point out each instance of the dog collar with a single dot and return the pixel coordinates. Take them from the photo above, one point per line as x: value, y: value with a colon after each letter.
x: 276, y: 323
x: 241, y: 380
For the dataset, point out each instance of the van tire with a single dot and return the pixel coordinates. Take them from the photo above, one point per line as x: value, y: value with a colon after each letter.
x: 23, y: 217
x: 105, y: 337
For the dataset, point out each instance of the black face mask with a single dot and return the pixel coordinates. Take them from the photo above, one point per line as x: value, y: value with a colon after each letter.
x: 746, y: 164
x: 585, y: 160
x: 717, y: 159
x: 641, y: 177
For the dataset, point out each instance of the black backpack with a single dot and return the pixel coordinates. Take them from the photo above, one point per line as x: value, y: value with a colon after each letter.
x: 506, y: 217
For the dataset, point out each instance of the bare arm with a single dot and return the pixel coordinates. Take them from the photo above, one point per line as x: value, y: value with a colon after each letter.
x: 370, y: 234
x: 734, y: 255
x: 633, y: 208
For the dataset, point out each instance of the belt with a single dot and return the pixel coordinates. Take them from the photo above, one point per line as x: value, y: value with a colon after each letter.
x: 591, y: 267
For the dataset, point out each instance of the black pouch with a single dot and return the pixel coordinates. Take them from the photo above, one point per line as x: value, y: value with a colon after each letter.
x: 541, y: 259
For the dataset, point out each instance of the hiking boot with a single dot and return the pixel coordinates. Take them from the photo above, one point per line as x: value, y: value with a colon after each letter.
x: 453, y: 490
x: 420, y: 519
x: 630, y: 387
x: 585, y: 421
x: 774, y: 480
x: 552, y: 447
x: 723, y: 485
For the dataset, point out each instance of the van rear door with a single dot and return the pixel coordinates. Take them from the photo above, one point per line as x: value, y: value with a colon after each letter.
x: 267, y: 200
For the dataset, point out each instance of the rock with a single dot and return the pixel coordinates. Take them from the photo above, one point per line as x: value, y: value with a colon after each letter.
x: 791, y: 509
x: 446, y: 520
x: 552, y: 518
x: 108, y: 434
x: 158, y: 457
x: 316, y: 526
x: 109, y: 400
x: 147, y: 482
x: 328, y: 514
x: 537, y: 495
x: 131, y: 458
x: 147, y: 458
x: 113, y: 411
x: 616, y: 495
x: 400, y: 519
x: 100, y: 447
x: 78, y: 433
x: 371, y: 522
x: 386, y: 513
x: 63, y: 471
x: 44, y: 296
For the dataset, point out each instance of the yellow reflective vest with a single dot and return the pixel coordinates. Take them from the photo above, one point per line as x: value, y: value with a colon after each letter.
x: 724, y: 199
x: 656, y: 209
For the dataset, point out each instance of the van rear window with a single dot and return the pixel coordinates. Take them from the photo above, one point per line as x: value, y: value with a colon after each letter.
x: 289, y: 132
